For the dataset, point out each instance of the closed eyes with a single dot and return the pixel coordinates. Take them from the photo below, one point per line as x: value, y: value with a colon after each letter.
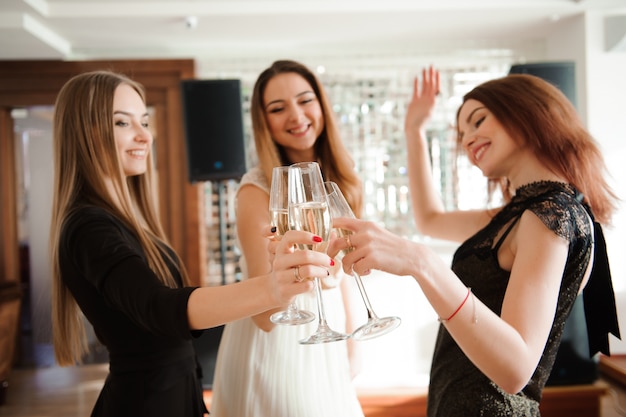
x: 301, y: 103
x: 122, y: 123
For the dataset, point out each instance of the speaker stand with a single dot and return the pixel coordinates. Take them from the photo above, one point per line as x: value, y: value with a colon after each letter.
x: 221, y: 187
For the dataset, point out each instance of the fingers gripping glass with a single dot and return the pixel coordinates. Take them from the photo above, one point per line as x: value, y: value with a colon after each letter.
x: 308, y: 210
x: 375, y: 326
x: 279, y: 218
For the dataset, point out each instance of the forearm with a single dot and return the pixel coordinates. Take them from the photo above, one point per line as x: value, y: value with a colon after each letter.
x: 425, y: 199
x: 493, y: 346
x: 263, y: 321
x: 214, y: 306
x: 431, y: 217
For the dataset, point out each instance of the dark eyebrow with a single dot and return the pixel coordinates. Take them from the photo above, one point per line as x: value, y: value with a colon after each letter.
x: 305, y: 92
x: 273, y: 102
x: 297, y: 95
x: 125, y: 113
x: 469, y: 116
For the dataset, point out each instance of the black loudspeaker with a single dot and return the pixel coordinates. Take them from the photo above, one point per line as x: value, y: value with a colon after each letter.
x: 213, y: 122
x: 560, y: 74
x: 572, y: 364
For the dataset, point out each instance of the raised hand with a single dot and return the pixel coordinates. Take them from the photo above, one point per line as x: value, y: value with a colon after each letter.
x: 420, y: 108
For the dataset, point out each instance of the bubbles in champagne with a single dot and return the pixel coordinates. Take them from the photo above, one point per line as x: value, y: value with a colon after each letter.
x: 311, y: 217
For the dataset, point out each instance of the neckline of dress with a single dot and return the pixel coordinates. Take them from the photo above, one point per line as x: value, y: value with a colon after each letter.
x: 530, y: 189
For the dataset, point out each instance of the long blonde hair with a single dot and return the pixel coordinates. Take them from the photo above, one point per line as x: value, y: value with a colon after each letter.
x: 84, y: 155
x: 332, y: 155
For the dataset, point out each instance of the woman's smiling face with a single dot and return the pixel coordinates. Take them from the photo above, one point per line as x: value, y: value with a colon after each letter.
x: 487, y: 143
x: 294, y: 114
x: 130, y: 128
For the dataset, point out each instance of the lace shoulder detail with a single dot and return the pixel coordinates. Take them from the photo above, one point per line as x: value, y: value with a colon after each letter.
x: 558, y: 208
x: 255, y: 176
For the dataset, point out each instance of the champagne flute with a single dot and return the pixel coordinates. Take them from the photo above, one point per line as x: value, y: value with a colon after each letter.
x: 279, y: 218
x: 375, y: 325
x: 308, y: 210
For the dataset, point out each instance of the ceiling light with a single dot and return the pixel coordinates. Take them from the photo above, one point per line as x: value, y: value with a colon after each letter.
x: 191, y: 22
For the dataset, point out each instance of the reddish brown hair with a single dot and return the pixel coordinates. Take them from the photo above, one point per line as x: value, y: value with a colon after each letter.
x: 539, y: 116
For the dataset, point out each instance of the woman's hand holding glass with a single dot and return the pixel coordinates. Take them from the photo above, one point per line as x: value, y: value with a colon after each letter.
x: 375, y: 325
x: 279, y: 218
x: 293, y: 270
x: 371, y: 246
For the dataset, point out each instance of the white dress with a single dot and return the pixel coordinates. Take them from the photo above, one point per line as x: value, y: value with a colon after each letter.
x: 269, y: 374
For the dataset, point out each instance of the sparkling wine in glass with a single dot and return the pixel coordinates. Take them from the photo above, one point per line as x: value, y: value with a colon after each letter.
x: 375, y: 325
x: 279, y: 212
x: 308, y: 211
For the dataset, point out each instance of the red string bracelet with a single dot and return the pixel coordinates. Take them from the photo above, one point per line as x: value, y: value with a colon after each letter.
x: 469, y: 291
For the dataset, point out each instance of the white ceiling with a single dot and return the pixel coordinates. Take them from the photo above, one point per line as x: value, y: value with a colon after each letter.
x: 226, y: 29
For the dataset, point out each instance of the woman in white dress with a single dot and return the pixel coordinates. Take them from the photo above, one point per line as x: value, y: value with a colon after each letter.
x: 261, y: 369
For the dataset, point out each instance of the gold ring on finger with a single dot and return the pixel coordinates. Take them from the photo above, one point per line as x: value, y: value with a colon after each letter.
x: 296, y: 274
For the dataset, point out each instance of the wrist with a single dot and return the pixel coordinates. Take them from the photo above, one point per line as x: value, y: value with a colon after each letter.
x: 415, y: 134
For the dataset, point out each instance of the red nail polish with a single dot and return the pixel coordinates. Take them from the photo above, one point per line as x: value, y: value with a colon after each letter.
x: 317, y: 239
x: 332, y: 262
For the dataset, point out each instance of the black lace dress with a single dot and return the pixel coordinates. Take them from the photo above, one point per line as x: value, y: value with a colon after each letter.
x: 457, y: 387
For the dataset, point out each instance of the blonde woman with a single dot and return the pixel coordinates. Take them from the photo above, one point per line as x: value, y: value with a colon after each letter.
x: 261, y: 368
x: 112, y: 262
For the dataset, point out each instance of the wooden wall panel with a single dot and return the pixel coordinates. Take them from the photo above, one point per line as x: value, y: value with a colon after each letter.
x: 31, y: 83
x: 9, y: 254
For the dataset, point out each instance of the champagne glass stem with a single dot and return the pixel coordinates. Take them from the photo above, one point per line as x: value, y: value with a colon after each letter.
x: 324, y: 333
x: 375, y: 326
x: 292, y: 315
x: 320, y: 303
x: 292, y: 309
x: 366, y: 300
